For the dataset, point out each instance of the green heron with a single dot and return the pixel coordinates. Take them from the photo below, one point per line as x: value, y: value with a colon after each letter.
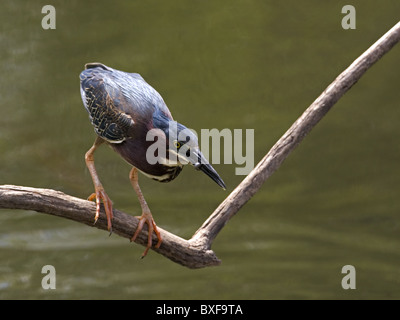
x: 124, y: 109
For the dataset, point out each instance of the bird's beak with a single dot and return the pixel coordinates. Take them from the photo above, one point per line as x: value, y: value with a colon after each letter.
x: 198, y: 160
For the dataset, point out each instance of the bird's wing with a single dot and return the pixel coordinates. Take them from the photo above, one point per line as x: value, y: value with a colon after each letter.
x: 116, y: 100
x: 137, y: 95
x: 110, y: 122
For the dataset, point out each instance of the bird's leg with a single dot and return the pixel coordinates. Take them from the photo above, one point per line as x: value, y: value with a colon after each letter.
x: 99, y: 194
x: 146, y: 216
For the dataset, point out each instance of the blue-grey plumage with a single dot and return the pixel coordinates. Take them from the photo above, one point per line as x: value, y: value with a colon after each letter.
x: 118, y: 97
x: 123, y: 108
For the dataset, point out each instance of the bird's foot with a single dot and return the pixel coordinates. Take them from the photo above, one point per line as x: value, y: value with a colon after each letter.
x: 99, y: 195
x: 146, y: 217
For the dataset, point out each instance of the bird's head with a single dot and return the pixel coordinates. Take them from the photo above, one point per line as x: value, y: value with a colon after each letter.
x: 182, y: 148
x: 183, y: 144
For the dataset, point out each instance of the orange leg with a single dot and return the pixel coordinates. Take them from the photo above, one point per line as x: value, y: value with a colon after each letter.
x: 146, y: 216
x: 99, y: 194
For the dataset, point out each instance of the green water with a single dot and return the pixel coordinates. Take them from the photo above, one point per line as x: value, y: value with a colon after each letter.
x: 218, y: 64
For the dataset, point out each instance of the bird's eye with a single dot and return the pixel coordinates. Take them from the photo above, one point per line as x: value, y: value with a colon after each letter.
x: 177, y: 144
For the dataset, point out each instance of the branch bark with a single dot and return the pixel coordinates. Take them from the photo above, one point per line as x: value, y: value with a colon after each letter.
x: 293, y: 136
x: 62, y: 205
x: 196, y: 252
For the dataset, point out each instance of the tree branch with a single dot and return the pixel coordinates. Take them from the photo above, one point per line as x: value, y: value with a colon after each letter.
x: 62, y: 205
x: 196, y: 252
x: 296, y: 133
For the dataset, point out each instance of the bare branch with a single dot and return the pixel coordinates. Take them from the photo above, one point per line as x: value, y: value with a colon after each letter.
x: 196, y: 252
x: 62, y: 205
x: 289, y: 141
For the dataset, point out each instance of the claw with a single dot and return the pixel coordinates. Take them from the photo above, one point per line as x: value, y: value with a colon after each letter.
x: 148, y: 219
x: 101, y: 195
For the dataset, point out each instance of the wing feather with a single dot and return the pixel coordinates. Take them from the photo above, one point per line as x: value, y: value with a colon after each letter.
x: 109, y: 122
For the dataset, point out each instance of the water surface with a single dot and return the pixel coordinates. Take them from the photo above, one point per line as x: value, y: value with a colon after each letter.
x: 226, y: 64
